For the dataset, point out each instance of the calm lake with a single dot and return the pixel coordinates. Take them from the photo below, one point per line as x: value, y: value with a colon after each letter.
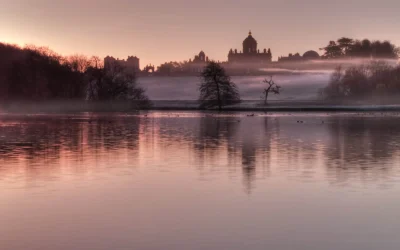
x: 195, y: 180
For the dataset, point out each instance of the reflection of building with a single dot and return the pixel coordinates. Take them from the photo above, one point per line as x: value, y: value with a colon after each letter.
x: 309, y: 55
x: 132, y: 63
x: 250, y: 54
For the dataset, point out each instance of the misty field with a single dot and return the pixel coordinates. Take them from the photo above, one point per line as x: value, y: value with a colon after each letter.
x: 296, y: 85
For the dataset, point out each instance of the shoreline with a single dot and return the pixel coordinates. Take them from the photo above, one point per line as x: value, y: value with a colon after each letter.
x: 261, y: 109
x: 285, y: 109
x: 23, y: 107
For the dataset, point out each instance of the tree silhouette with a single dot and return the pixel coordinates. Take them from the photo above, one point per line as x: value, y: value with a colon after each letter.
x: 345, y: 44
x: 217, y: 89
x: 79, y: 62
x: 374, y: 79
x: 333, y: 50
x: 271, y: 87
x: 347, y: 47
x: 40, y: 74
x: 115, y: 84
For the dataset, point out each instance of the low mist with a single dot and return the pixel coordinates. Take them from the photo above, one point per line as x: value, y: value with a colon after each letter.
x: 300, y: 86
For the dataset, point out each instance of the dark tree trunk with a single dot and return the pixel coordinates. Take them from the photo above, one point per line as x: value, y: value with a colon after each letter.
x: 266, y: 94
x: 266, y: 97
x: 218, y: 94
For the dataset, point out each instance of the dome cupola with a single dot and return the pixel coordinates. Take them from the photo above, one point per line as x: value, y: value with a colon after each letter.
x: 249, y: 44
x: 310, y: 55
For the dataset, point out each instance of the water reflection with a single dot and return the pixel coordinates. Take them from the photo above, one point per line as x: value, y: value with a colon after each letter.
x: 340, y: 149
x: 362, y: 147
x: 199, y: 181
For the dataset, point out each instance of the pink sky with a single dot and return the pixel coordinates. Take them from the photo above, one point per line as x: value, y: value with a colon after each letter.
x: 157, y: 31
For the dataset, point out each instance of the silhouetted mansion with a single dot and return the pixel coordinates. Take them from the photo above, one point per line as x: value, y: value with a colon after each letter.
x: 132, y: 63
x: 250, y: 56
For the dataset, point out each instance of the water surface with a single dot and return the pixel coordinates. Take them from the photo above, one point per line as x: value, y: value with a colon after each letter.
x: 193, y: 180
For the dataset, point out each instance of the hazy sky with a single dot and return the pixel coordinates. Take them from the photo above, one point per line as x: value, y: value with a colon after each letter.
x: 164, y: 30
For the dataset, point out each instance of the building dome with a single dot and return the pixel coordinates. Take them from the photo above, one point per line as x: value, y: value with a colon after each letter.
x: 250, y: 39
x: 249, y: 44
x: 311, y: 54
x: 201, y: 57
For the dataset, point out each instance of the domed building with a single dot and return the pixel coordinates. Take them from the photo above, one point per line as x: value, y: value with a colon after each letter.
x: 311, y: 55
x: 250, y: 54
x: 249, y: 45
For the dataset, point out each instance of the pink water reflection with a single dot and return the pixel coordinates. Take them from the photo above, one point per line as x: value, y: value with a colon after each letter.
x: 199, y: 181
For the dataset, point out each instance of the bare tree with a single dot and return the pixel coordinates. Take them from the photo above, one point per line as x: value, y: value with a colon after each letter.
x: 96, y: 62
x: 271, y: 87
x: 79, y: 63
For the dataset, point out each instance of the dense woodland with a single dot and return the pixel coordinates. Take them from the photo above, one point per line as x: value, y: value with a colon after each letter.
x: 350, y: 48
x: 39, y: 74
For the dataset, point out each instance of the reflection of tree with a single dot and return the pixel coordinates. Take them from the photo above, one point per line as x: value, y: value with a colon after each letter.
x: 214, y: 140
x: 249, y: 151
x: 215, y: 132
x: 295, y: 145
x: 249, y: 155
x: 115, y: 132
x: 250, y: 144
x: 256, y: 149
x: 346, y: 148
x: 44, y: 140
x: 356, y: 142
x: 242, y: 140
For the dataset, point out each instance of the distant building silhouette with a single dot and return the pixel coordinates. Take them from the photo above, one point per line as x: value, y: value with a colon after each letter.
x: 250, y: 54
x: 198, y: 63
x: 149, y: 68
x: 131, y: 64
x: 290, y: 58
x: 201, y: 58
x: 309, y: 55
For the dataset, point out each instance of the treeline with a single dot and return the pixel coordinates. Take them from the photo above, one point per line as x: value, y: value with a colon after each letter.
x: 39, y: 74
x: 168, y: 68
x: 173, y: 67
x: 350, y: 48
x: 363, y: 82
